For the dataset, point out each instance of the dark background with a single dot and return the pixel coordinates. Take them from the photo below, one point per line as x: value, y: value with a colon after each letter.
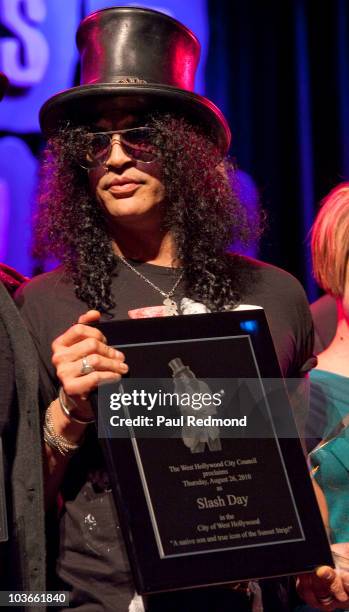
x: 279, y: 70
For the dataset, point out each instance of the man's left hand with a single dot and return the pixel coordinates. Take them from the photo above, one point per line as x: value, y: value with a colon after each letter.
x: 326, y: 589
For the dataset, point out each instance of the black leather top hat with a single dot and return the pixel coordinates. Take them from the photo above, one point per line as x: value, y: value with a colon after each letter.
x: 135, y: 59
x: 3, y: 84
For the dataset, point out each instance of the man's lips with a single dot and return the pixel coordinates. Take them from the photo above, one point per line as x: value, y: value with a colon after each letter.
x: 123, y: 186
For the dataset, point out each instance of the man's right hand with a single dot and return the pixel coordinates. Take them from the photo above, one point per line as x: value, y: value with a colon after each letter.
x: 79, y: 341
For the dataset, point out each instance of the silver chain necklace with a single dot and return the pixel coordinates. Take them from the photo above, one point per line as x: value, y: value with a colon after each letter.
x: 170, y: 305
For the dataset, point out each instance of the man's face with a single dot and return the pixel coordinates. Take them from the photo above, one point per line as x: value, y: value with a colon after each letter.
x: 130, y: 192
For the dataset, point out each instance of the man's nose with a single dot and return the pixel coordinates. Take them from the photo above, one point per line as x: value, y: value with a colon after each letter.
x: 117, y: 156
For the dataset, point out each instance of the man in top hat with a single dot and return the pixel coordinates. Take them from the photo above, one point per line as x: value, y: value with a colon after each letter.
x: 134, y: 201
x: 22, y: 541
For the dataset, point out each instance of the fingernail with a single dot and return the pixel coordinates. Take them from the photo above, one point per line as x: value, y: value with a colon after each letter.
x: 123, y: 367
x: 324, y: 573
x: 327, y: 575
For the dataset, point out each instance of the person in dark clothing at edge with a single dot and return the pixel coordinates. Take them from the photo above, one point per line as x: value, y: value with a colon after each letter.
x: 135, y: 202
x: 22, y: 533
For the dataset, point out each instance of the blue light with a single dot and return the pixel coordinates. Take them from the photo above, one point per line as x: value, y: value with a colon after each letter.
x: 249, y: 326
x: 16, y: 202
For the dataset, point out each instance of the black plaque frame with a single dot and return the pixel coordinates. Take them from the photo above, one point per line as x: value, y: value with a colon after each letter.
x: 153, y: 573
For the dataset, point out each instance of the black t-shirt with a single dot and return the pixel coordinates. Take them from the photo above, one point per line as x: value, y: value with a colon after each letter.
x: 92, y: 560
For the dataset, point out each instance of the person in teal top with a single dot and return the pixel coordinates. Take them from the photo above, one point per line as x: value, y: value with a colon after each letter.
x: 329, y: 408
x: 330, y: 459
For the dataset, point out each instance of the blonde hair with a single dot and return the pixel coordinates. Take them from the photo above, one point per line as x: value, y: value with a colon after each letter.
x: 330, y: 241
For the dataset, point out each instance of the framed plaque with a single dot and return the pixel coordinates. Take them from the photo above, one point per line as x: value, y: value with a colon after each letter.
x: 221, y: 496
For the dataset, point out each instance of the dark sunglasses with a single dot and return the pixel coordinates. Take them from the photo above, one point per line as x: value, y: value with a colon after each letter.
x: 137, y: 144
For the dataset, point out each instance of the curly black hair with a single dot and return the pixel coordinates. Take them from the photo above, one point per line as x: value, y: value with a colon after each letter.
x: 203, y: 215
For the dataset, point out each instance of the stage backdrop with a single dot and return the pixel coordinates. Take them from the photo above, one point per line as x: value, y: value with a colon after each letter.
x: 279, y: 71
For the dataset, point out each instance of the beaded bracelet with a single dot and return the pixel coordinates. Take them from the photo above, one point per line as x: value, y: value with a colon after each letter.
x: 68, y: 413
x: 55, y: 440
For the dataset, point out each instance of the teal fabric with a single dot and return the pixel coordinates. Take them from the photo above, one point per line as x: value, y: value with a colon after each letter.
x: 329, y: 399
x: 330, y: 395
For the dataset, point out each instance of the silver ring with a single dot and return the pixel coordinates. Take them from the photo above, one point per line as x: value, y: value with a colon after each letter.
x: 326, y: 601
x: 86, y: 367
